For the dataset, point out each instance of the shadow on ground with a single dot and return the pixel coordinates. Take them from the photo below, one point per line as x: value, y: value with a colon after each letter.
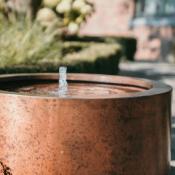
x: 173, y: 139
x: 173, y: 145
x: 172, y: 171
x: 151, y: 71
x: 149, y: 74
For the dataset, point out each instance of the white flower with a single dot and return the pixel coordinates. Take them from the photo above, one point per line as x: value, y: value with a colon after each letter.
x: 64, y: 6
x: 51, y: 3
x: 79, y: 20
x: 73, y: 28
x: 87, y: 9
x: 78, y: 4
x: 46, y: 15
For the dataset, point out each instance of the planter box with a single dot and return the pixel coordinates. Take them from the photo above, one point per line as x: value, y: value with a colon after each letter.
x: 128, y: 44
x: 79, y: 57
x: 120, y: 127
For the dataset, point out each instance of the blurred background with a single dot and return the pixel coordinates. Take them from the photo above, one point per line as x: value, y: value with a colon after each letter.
x: 151, y: 22
x: 125, y: 37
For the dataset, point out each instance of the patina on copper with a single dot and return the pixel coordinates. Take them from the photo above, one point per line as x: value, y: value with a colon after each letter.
x: 124, y: 132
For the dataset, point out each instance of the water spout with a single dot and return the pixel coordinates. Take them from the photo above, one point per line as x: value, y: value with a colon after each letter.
x: 63, y: 85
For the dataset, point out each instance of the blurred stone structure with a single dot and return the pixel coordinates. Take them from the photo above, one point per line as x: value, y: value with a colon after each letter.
x: 152, y: 22
x: 111, y: 18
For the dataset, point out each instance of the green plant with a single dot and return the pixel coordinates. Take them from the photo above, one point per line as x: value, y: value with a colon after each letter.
x: 70, y: 14
x: 65, y: 15
x: 25, y: 43
x: 96, y: 58
x: 26, y: 46
x: 128, y: 44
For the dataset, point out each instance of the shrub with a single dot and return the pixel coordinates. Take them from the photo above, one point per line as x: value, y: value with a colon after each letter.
x: 97, y: 58
x: 92, y: 58
x: 128, y: 44
x: 67, y: 15
x: 21, y: 43
x: 25, y: 47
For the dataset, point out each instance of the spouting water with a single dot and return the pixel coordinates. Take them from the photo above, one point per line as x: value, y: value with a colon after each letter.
x: 63, y: 85
x: 73, y: 90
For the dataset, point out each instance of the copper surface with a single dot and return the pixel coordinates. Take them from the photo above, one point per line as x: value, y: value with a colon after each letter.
x: 119, y: 134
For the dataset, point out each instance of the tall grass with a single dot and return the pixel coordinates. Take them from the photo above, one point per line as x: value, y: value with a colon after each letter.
x: 24, y: 43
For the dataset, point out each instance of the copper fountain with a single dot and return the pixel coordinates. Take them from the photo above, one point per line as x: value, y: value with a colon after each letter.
x: 109, y: 125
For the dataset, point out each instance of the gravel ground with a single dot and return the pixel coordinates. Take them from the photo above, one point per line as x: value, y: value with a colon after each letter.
x: 163, y: 72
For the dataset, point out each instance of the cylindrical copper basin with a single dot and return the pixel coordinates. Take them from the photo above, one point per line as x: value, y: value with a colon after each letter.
x: 121, y: 126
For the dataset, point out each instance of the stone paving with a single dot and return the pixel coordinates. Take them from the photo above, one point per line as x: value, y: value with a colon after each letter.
x: 163, y: 72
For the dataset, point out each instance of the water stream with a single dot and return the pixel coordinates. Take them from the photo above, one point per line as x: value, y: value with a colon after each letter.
x: 74, y: 89
x: 62, y: 85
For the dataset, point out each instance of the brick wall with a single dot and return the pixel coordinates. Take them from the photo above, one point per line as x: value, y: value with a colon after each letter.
x: 112, y: 17
x: 154, y: 42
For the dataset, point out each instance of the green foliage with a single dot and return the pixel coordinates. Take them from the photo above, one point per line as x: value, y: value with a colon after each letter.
x: 96, y: 58
x: 67, y: 15
x: 70, y: 14
x: 25, y: 43
x: 128, y: 44
x: 26, y: 47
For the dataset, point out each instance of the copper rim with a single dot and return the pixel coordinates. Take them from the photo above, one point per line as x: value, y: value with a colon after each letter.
x: 149, y: 87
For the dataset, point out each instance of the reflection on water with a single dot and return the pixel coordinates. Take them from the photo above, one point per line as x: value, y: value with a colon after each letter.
x: 73, y: 88
x: 84, y: 91
x: 76, y: 90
